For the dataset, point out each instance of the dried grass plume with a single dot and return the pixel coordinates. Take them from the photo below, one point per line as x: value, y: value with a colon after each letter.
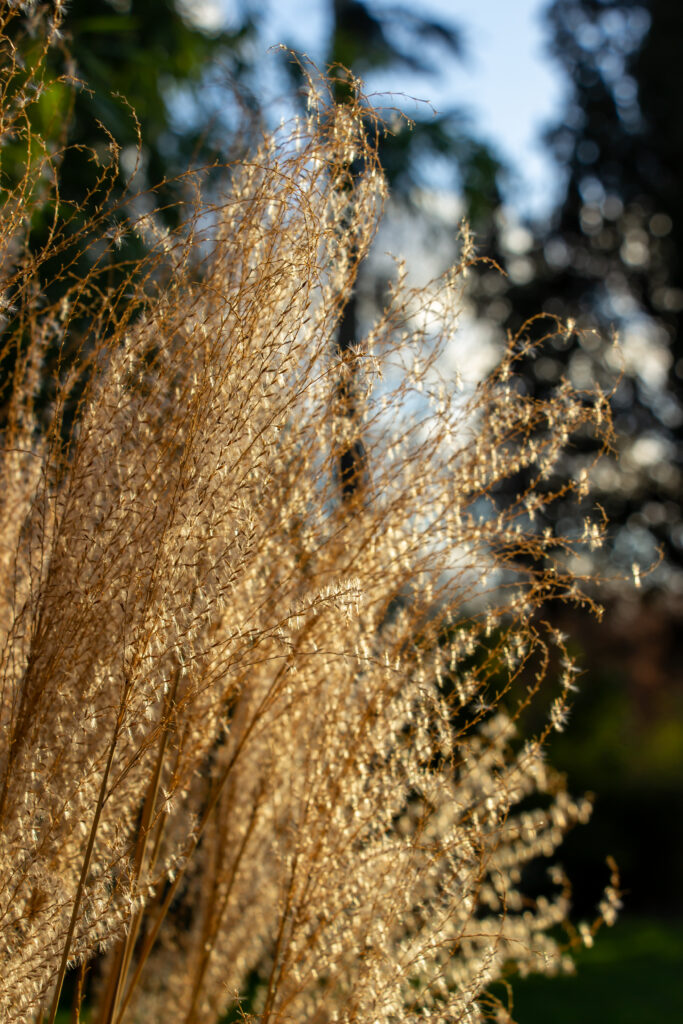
x: 257, y: 737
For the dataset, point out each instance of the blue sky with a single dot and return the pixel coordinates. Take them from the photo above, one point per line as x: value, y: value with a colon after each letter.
x: 507, y: 82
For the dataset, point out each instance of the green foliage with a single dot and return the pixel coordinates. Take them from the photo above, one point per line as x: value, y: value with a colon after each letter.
x: 132, y: 59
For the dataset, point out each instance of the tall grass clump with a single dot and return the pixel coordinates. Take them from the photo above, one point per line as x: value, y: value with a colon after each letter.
x: 258, y: 749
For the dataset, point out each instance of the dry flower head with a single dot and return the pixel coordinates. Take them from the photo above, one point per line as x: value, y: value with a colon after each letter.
x: 250, y: 729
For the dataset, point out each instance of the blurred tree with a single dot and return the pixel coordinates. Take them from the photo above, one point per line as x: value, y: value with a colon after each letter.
x: 140, y: 62
x: 144, y: 113
x: 612, y: 253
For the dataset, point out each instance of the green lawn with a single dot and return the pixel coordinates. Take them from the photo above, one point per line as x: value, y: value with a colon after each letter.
x: 633, y: 975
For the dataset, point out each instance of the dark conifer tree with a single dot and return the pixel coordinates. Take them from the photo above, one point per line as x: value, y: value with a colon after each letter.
x: 610, y: 256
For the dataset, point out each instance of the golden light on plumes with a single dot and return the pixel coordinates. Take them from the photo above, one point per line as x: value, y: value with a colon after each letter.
x: 250, y: 729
